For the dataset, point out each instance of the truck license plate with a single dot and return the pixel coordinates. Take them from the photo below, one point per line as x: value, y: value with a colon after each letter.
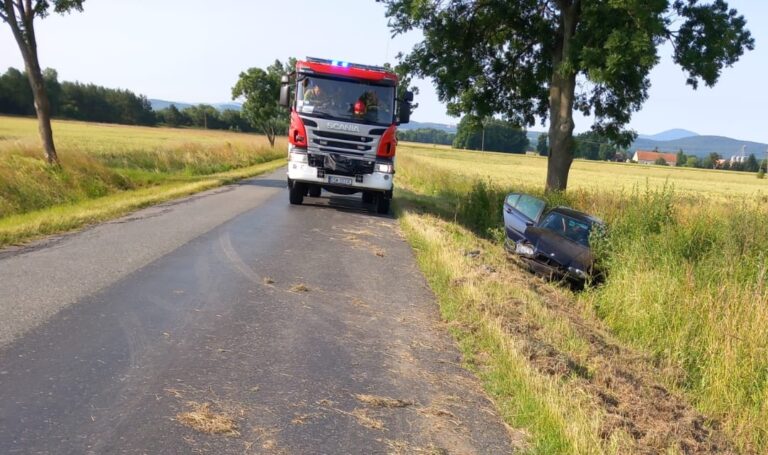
x: 340, y: 180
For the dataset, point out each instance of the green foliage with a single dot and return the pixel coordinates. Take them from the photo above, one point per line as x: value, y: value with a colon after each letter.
x: 660, y: 161
x: 261, y: 90
x: 427, y: 136
x: 761, y: 174
x: 74, y: 100
x: 542, y: 145
x: 751, y: 165
x: 489, y: 58
x: 595, y: 146
x: 490, y: 135
x: 681, y: 158
x: 692, y: 161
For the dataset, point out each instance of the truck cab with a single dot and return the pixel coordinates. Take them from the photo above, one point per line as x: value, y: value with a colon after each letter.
x: 343, y: 129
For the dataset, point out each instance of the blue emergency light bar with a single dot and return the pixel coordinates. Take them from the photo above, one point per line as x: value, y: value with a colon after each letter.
x: 346, y: 64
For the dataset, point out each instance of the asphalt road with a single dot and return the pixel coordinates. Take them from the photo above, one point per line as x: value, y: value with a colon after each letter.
x: 281, y: 317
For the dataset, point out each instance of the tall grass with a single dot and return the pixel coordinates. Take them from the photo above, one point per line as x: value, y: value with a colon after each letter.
x: 98, y: 160
x: 107, y: 160
x: 686, y: 281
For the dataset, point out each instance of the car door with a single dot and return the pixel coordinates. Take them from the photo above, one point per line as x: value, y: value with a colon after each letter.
x: 521, y: 211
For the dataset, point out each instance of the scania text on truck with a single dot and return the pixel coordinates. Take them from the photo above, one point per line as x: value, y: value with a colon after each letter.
x: 343, y: 131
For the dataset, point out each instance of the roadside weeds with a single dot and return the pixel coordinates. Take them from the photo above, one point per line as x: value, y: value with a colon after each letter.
x: 551, y: 369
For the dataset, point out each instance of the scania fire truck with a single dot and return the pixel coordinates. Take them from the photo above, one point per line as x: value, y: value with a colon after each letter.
x: 342, y: 135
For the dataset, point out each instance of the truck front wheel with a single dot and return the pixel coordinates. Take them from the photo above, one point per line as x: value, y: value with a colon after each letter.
x: 296, y: 193
x: 382, y: 205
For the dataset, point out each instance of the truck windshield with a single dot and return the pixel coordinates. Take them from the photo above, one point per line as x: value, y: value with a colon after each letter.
x: 346, y: 100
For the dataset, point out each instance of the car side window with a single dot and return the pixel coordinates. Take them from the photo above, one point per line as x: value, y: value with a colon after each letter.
x: 530, y: 206
x: 512, y: 199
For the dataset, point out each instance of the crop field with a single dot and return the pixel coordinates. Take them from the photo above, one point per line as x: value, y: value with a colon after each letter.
x: 108, y: 170
x: 668, y: 356
x: 531, y: 171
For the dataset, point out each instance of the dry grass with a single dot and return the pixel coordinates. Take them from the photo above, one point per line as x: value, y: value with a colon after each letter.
x: 686, y: 268
x: 593, y: 176
x: 362, y: 417
x: 110, y: 169
x: 298, y: 288
x: 383, y: 402
x: 203, y: 419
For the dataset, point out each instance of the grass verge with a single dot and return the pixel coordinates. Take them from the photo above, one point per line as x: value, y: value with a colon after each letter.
x: 23, y: 227
x: 648, y: 363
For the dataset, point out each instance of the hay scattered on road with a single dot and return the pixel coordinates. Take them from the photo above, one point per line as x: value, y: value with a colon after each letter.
x: 201, y: 418
x: 382, y: 402
x: 268, y: 280
x: 362, y: 417
x: 299, y: 287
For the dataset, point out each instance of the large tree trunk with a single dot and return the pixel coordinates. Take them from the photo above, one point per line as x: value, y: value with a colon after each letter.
x: 25, y: 38
x: 561, y: 94
x: 43, y: 109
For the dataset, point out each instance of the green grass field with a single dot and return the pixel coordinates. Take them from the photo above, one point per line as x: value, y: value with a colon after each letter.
x: 686, y: 292
x: 109, y: 170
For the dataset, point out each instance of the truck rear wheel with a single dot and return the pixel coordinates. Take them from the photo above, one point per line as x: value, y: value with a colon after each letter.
x: 296, y: 193
x: 367, y: 197
x: 382, y: 205
x: 315, y: 190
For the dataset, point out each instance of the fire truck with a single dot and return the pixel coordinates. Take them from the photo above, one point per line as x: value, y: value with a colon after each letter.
x: 343, y: 130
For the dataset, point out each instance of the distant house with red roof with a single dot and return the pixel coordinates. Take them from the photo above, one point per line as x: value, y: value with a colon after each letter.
x: 650, y: 157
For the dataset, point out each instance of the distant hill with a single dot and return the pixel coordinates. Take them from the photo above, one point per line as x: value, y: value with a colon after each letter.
x: 703, y: 145
x: 669, y: 135
x: 413, y: 125
x: 163, y: 104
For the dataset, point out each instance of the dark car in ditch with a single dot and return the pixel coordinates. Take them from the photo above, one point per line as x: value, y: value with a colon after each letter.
x: 553, y: 243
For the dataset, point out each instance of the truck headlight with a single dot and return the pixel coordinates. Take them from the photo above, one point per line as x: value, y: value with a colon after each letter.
x: 524, y: 249
x: 298, y: 157
x: 385, y: 167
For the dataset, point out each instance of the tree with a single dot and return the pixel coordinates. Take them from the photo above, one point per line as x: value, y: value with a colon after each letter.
x: 492, y: 135
x: 542, y: 146
x: 261, y: 90
x: 681, y: 158
x: 751, y: 165
x: 692, y: 161
x: 20, y: 16
x: 522, y: 59
x: 660, y: 161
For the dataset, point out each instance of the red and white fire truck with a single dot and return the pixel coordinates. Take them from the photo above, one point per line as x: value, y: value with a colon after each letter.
x: 342, y: 135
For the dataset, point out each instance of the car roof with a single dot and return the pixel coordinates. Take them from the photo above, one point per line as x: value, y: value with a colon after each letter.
x: 576, y: 214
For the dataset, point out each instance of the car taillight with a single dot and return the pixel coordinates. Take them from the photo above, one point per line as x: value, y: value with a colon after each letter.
x: 297, y: 134
x: 388, y: 143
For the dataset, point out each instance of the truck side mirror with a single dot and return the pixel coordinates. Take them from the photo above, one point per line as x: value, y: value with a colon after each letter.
x: 405, y: 112
x: 285, y: 98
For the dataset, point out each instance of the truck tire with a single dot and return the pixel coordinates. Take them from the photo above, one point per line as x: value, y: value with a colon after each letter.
x: 367, y: 197
x: 296, y: 193
x: 382, y: 205
x: 315, y: 190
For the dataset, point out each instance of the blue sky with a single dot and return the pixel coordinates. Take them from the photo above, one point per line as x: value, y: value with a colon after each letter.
x: 193, y: 50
